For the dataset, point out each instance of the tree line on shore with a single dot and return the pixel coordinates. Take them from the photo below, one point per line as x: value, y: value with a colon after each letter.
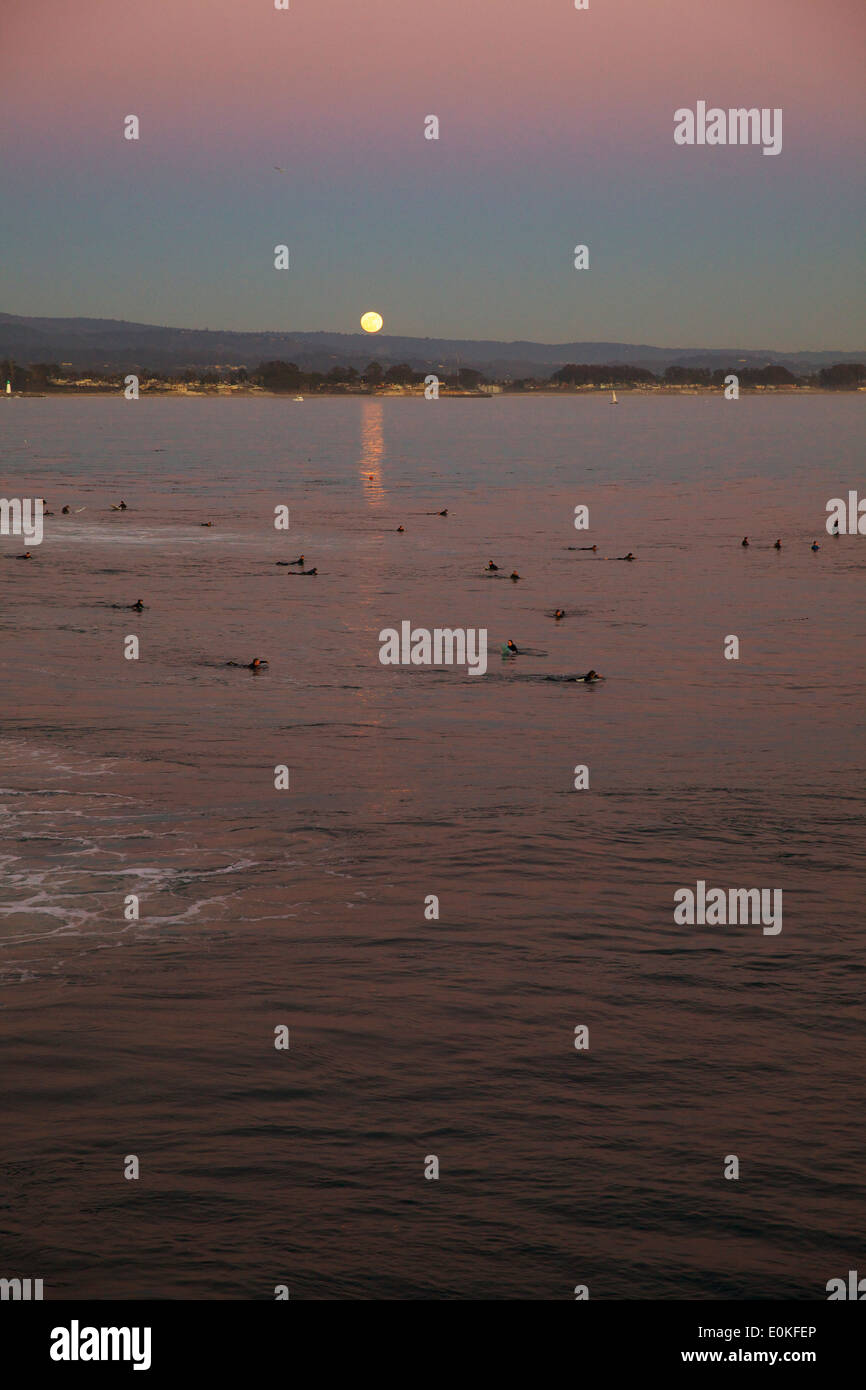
x: 289, y: 377
x: 842, y: 375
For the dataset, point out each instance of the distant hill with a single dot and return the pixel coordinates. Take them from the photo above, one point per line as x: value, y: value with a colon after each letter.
x: 115, y: 345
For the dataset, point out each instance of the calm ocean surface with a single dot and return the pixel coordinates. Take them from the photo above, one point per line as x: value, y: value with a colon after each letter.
x: 306, y: 907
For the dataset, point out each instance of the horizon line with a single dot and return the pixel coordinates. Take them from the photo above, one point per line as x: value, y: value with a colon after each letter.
x: 381, y: 337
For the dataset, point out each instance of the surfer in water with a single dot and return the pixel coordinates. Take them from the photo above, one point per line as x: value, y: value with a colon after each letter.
x: 255, y: 665
x: 778, y: 545
x: 581, y: 547
x: 491, y: 566
x: 559, y: 613
x: 744, y: 541
x: 589, y: 679
x: 299, y: 561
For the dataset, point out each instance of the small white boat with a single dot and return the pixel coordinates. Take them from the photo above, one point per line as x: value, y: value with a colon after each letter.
x: 299, y: 398
x: 613, y: 399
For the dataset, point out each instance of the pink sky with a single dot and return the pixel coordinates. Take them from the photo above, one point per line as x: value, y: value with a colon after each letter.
x: 211, y: 76
x: 556, y: 128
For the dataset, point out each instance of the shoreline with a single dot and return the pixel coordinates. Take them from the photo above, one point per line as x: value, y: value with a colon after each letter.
x: 410, y: 393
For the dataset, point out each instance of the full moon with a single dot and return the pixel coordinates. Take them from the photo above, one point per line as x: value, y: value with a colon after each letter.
x: 371, y: 322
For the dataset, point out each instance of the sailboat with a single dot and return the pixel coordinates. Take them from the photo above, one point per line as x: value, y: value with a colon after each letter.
x: 613, y: 399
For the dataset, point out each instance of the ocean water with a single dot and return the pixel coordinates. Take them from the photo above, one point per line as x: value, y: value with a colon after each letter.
x: 306, y: 907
